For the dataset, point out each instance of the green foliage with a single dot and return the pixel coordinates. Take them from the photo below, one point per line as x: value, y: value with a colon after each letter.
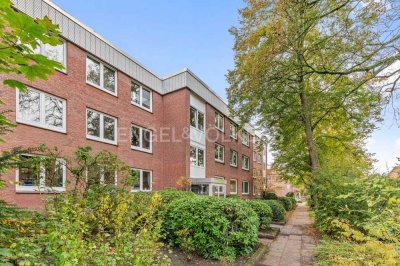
x: 286, y: 202
x: 169, y: 195
x: 290, y: 194
x: 212, y: 227
x: 269, y: 195
x: 264, y: 212
x: 278, y: 211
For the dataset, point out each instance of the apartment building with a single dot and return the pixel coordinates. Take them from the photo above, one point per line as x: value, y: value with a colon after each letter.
x: 164, y: 128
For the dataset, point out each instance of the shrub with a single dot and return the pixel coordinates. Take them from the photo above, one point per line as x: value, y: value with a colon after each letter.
x: 286, y: 202
x: 169, y: 195
x: 269, y: 195
x: 263, y: 211
x: 293, y: 200
x: 233, y: 196
x: 290, y: 194
x: 278, y: 211
x: 212, y: 227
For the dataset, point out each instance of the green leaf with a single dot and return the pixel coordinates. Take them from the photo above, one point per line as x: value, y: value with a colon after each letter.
x: 5, y: 252
x: 15, y: 84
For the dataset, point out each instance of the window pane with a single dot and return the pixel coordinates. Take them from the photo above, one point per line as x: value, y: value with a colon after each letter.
x: 146, y: 98
x: 29, y: 106
x: 136, y: 179
x: 193, y: 160
x: 146, y: 180
x: 233, y: 186
x: 192, y: 117
x: 200, y: 121
x: 109, y: 79
x: 109, y: 128
x: 93, y: 123
x: 135, y: 93
x: 146, y: 139
x: 55, y: 53
x: 54, y: 173
x: 135, y: 137
x: 92, y: 71
x: 200, y: 157
x: 29, y: 173
x: 216, y: 152
x: 53, y: 111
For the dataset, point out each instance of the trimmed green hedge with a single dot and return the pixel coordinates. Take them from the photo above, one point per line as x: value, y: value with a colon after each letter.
x: 212, y: 227
x: 169, y: 195
x: 269, y: 195
x: 263, y: 211
x: 286, y: 202
x: 278, y: 211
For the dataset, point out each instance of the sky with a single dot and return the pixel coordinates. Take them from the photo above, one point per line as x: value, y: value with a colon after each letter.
x: 169, y: 35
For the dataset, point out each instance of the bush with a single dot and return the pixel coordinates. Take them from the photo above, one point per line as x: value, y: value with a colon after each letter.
x: 290, y: 194
x: 286, y: 202
x: 212, y: 227
x: 263, y: 211
x: 294, y: 202
x: 269, y: 195
x: 169, y: 195
x: 278, y: 211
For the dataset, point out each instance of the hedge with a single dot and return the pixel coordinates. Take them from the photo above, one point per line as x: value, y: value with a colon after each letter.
x: 212, y: 227
x: 169, y: 195
x: 264, y: 212
x: 286, y: 202
x: 278, y: 211
x: 269, y: 195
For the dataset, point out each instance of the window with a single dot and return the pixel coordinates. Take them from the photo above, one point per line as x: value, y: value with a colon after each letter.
x: 196, y: 119
x: 101, y: 76
x: 233, y: 158
x: 245, y: 187
x: 101, y: 127
x: 196, y: 156
x: 143, y: 180
x: 40, y: 174
x: 40, y: 109
x: 141, y: 139
x: 57, y: 53
x: 141, y: 96
x: 219, y: 153
x: 245, y: 138
x: 233, y: 186
x: 254, y: 156
x: 245, y: 162
x: 219, y: 121
x: 233, y: 130
x: 254, y: 173
x: 101, y: 174
x: 254, y: 189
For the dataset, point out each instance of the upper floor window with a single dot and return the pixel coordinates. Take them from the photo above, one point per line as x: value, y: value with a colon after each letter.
x: 246, y: 138
x: 254, y: 156
x: 143, y: 180
x: 40, y: 109
x: 141, y: 139
x: 219, y: 153
x: 101, y: 127
x: 233, y: 158
x: 196, y: 118
x: 40, y: 174
x: 101, y: 76
x: 141, y: 96
x: 196, y: 156
x: 245, y: 162
x: 233, y: 186
x: 245, y: 187
x: 57, y: 52
x: 233, y: 130
x: 219, y: 121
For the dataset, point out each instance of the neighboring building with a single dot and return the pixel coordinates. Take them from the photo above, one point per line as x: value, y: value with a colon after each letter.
x: 395, y: 173
x: 162, y: 127
x: 276, y: 184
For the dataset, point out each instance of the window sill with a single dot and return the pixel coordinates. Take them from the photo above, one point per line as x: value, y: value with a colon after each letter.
x: 55, y: 129
x: 195, y: 128
x: 233, y: 193
x: 245, y: 194
x: 150, y: 110
x: 102, y: 140
x: 221, y: 162
x: 103, y: 89
x: 221, y: 130
x: 233, y: 138
x: 245, y: 169
x: 62, y: 71
x: 39, y: 190
x: 138, y: 190
x: 233, y: 165
x: 141, y: 149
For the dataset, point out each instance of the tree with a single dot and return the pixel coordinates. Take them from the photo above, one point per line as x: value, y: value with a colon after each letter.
x: 311, y: 73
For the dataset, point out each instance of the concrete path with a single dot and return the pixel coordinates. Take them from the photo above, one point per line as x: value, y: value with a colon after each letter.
x: 295, y: 245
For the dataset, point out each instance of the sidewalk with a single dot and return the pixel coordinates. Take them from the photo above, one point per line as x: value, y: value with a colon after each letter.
x: 295, y: 245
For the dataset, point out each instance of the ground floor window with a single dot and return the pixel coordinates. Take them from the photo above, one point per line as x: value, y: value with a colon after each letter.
x: 245, y: 187
x: 101, y: 174
x: 200, y: 189
x: 218, y: 190
x: 143, y: 180
x: 233, y: 186
x: 40, y: 174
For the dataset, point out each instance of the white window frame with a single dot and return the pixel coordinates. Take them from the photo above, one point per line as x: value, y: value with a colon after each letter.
x: 248, y: 160
x: 197, y: 156
x: 233, y: 125
x: 244, y: 132
x: 101, y: 86
x: 141, y: 180
x: 223, y: 153
x: 42, y: 188
x: 218, y: 115
x: 42, y: 46
x: 140, y: 105
x: 141, y: 129
x: 101, y: 138
x: 197, y: 119
x: 102, y: 175
x: 42, y: 115
x: 230, y: 158
x: 248, y: 188
x: 254, y: 189
x: 254, y: 156
x: 236, y: 187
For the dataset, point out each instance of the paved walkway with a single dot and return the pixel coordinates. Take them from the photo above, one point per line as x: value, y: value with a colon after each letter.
x: 295, y: 245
